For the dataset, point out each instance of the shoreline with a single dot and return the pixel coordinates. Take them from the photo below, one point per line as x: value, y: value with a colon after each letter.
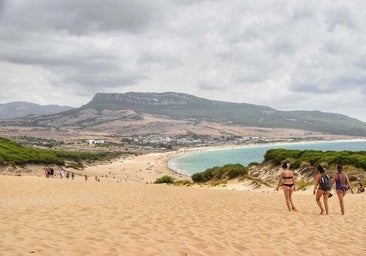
x: 195, y: 150
x: 146, y: 168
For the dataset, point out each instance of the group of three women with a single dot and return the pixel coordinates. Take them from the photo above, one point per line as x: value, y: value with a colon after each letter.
x: 340, y: 179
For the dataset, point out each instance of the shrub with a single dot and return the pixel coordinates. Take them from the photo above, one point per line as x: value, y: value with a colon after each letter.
x: 315, y: 157
x: 182, y: 182
x: 229, y: 171
x: 76, y: 166
x: 301, y: 185
x: 164, y: 179
x: 278, y: 155
x: 218, y: 183
x: 206, y: 175
x: 236, y: 170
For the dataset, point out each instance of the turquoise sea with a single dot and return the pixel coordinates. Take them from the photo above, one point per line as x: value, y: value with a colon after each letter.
x: 198, y: 162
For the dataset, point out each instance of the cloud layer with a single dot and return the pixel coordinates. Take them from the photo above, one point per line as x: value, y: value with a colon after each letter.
x: 289, y: 55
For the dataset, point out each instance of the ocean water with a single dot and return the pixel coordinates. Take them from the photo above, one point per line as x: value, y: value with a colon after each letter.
x: 198, y: 162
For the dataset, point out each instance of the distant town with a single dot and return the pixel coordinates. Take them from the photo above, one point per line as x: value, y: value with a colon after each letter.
x: 152, y: 143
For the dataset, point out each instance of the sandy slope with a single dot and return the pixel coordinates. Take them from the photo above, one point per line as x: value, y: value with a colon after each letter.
x: 75, y: 217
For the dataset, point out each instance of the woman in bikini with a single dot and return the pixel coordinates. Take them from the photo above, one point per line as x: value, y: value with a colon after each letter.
x: 288, y: 186
x: 320, y: 191
x: 342, y: 185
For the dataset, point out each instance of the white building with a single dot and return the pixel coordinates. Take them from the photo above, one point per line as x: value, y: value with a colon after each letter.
x: 94, y: 142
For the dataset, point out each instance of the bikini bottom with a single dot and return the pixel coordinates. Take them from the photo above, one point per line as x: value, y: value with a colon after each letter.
x: 342, y: 188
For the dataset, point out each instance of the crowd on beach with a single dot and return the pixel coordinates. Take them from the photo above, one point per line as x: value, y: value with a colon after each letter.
x: 322, y: 187
x: 51, y: 173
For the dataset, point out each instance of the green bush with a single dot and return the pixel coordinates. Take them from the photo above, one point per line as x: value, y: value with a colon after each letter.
x: 315, y: 157
x: 164, y: 179
x: 229, y: 171
x: 253, y: 164
x: 182, y: 182
x: 235, y: 170
x: 279, y: 155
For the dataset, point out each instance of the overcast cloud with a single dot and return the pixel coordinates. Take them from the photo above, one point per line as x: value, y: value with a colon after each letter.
x: 289, y: 55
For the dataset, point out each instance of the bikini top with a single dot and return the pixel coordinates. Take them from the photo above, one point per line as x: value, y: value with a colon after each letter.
x: 290, y: 177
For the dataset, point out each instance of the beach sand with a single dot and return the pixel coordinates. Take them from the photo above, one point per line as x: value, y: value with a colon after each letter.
x: 145, y: 168
x: 41, y: 216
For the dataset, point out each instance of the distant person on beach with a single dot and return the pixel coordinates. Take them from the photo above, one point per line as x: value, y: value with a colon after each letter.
x: 86, y: 177
x: 288, y: 186
x: 342, y: 185
x: 62, y: 173
x: 360, y: 188
x: 52, y: 171
x: 46, y: 172
x: 322, y: 189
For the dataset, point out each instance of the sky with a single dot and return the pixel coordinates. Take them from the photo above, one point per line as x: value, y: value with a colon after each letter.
x: 285, y: 54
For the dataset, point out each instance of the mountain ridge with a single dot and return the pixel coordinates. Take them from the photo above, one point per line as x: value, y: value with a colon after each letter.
x: 18, y: 109
x: 184, y: 106
x: 181, y: 115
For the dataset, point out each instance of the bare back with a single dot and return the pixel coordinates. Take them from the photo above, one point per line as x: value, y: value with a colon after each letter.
x: 287, y: 177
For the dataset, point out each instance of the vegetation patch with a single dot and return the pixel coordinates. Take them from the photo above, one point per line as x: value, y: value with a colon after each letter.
x: 315, y: 157
x: 301, y: 185
x: 219, y: 183
x: 303, y: 160
x: 166, y: 179
x: 229, y: 171
x: 13, y: 153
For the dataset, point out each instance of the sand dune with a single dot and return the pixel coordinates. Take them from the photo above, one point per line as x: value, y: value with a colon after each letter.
x: 72, y: 217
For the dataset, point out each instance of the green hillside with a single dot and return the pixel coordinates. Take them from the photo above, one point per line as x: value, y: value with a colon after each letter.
x: 12, y: 153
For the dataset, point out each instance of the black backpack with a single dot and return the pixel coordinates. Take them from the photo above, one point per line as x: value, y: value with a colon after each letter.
x: 325, y: 182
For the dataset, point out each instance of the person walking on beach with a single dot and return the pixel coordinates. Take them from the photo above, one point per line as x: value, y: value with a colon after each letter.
x: 342, y: 185
x: 322, y: 189
x: 47, y: 172
x: 288, y: 186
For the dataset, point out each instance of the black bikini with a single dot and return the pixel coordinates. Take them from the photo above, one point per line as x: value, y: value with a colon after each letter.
x: 288, y: 185
x: 290, y: 177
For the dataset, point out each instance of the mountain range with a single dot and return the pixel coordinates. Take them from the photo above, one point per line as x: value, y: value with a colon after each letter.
x: 138, y: 113
x: 22, y: 109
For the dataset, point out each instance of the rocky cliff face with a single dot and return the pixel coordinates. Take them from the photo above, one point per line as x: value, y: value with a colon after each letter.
x: 181, y: 106
x: 154, y: 99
